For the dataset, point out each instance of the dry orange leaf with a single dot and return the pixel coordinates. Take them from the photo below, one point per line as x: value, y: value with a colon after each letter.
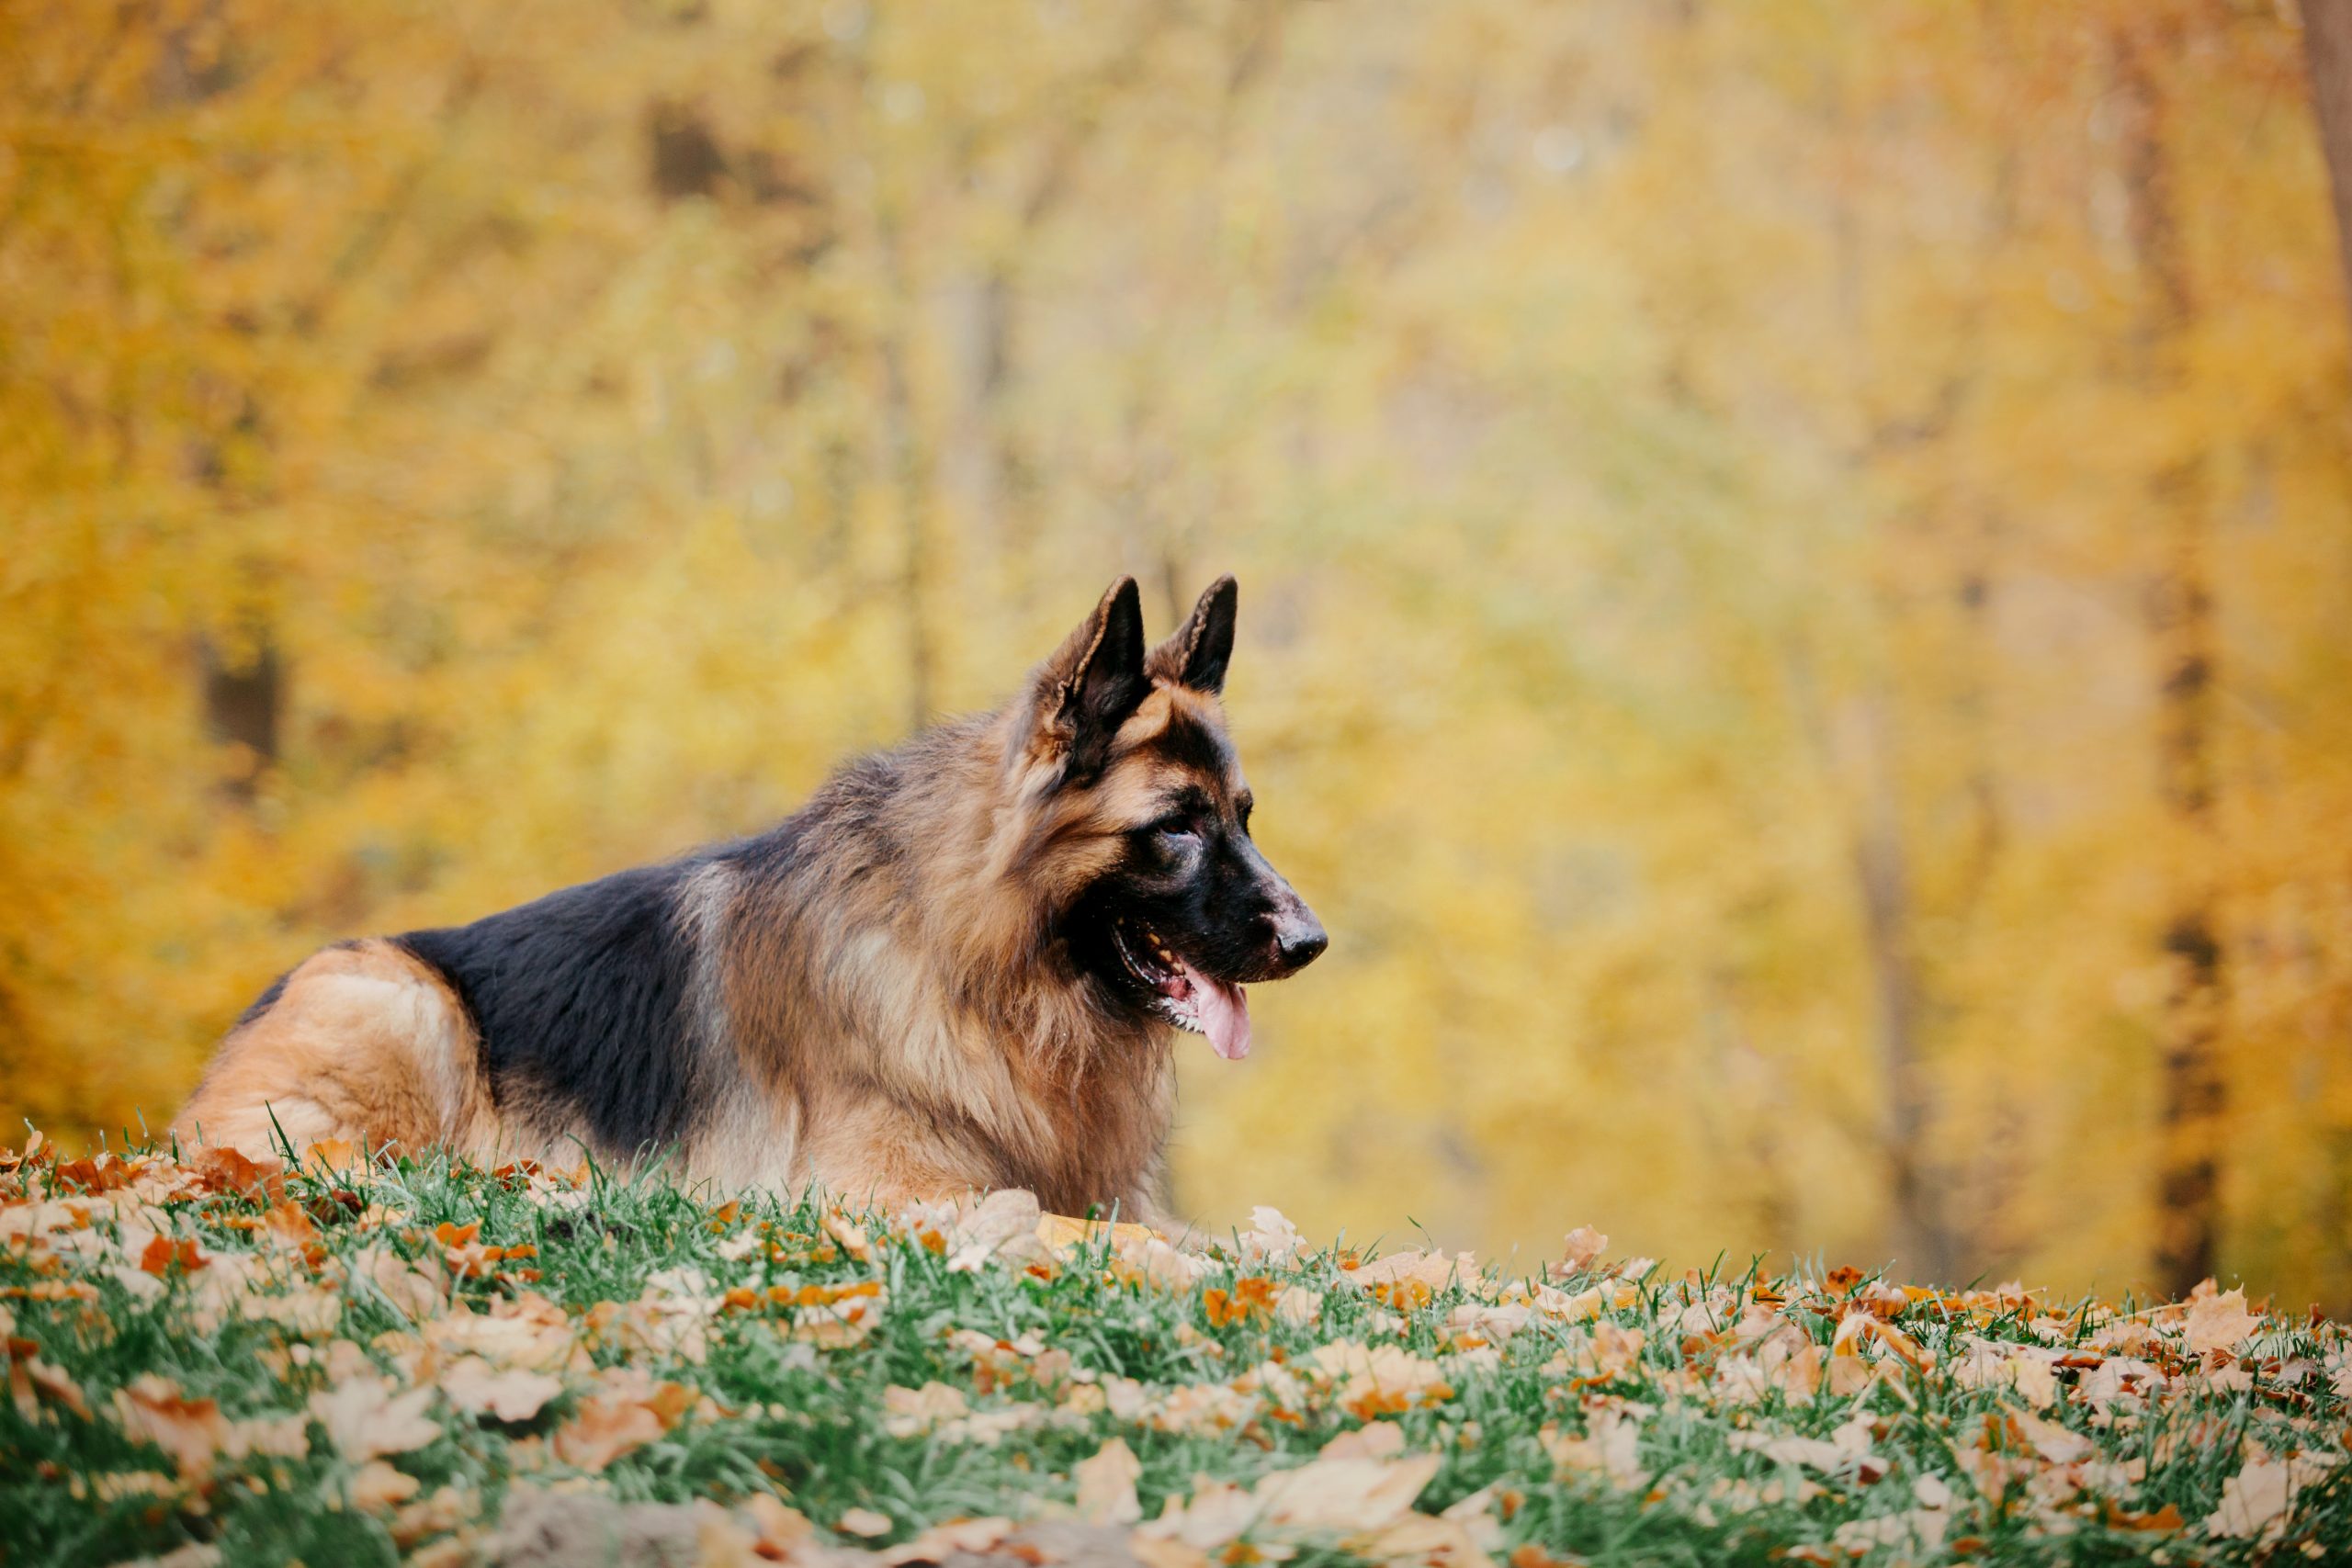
x: 378, y: 1488
x: 153, y: 1409
x: 630, y: 1410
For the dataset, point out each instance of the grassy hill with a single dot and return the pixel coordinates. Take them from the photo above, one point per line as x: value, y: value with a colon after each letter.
x: 212, y: 1360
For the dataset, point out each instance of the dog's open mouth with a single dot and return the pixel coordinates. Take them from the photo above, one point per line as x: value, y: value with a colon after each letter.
x: 1181, y: 994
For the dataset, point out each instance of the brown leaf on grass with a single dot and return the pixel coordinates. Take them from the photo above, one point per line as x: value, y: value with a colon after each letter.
x: 306, y: 1312
x: 1440, y: 1542
x: 367, y: 1420
x: 1252, y: 1296
x: 162, y: 1252
x: 838, y: 1322
x: 2258, y: 1502
x: 1298, y: 1307
x: 2255, y: 1502
x: 1139, y: 1257
x: 153, y: 1409
x: 1215, y: 1515
x: 2057, y: 1444
x: 911, y: 1412
x: 1380, y: 1439
x: 379, y: 1488
x: 1062, y: 1234
x: 445, y: 1510
x: 1845, y: 1452
x: 1270, y: 1239
x: 1610, y: 1448
x: 784, y: 1530
x: 2218, y: 1321
x: 279, y: 1437
x: 30, y: 1380
x: 2164, y: 1520
x: 289, y: 1224
x: 195, y: 1554
x: 943, y: 1544
x: 852, y: 1238
x: 1342, y: 1495
x: 1433, y: 1271
x: 474, y: 1386
x: 603, y: 1429
x: 528, y: 1331
x: 629, y: 1410
x: 1106, y: 1485
x: 1165, y: 1551
x: 410, y: 1288
x: 996, y: 1223
x: 863, y: 1522
x: 1584, y: 1245
x: 1378, y: 1380
x: 331, y: 1156
x: 224, y: 1170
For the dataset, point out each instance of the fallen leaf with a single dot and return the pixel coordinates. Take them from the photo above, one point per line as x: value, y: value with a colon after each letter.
x: 993, y: 1225
x: 1297, y: 1307
x: 1106, y: 1485
x: 151, y: 1408
x: 911, y: 1412
x: 943, y: 1544
x: 30, y: 1380
x: 1270, y: 1239
x: 863, y: 1522
x: 366, y: 1419
x: 378, y: 1488
x: 2218, y: 1322
x: 474, y: 1386
x: 1346, y: 1494
x: 2256, y: 1501
x: 1584, y: 1245
x: 783, y: 1528
x: 2059, y: 1445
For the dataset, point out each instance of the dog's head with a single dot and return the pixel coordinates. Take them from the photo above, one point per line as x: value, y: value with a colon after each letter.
x: 1140, y: 819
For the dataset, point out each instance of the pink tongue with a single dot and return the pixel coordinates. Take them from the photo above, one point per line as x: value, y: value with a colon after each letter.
x: 1225, y: 1014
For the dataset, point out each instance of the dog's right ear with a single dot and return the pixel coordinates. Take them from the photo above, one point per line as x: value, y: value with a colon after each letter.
x: 1079, y: 697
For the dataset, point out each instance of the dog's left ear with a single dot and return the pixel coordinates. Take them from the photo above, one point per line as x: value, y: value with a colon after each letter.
x: 1201, y: 648
x: 1093, y: 682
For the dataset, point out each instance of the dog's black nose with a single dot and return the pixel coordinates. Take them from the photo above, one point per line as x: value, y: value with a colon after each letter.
x: 1299, y: 941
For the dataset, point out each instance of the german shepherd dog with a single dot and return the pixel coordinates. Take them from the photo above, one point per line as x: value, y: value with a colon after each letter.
x: 955, y: 968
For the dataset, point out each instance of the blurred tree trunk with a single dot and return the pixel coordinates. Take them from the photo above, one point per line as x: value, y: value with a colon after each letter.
x: 1917, y: 1235
x: 2327, y: 54
x: 2180, y: 623
x: 245, y: 695
x: 1883, y: 870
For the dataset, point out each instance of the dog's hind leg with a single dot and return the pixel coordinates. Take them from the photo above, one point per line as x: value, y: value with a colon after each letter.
x: 364, y: 1042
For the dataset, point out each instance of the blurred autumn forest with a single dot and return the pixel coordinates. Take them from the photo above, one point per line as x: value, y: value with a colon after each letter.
x: 1796, y: 559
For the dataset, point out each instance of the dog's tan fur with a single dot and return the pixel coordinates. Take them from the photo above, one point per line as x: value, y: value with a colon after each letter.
x: 364, y: 1037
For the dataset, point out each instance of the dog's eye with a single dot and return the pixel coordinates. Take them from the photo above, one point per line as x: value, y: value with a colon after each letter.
x: 1175, y: 827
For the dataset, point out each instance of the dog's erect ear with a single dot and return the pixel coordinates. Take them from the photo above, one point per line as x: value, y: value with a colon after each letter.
x: 1201, y: 648
x: 1080, y: 696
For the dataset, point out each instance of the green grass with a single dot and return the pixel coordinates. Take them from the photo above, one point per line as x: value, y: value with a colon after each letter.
x: 1519, y: 1426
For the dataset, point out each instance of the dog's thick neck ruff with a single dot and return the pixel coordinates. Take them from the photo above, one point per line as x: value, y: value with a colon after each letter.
x: 958, y: 966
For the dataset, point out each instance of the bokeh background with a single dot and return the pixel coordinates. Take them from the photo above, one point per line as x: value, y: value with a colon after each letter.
x: 1796, y: 558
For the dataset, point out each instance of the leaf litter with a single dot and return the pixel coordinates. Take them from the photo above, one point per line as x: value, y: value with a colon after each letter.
x: 201, y: 1351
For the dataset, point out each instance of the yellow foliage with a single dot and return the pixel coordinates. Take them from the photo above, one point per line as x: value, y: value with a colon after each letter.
x: 1686, y: 468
